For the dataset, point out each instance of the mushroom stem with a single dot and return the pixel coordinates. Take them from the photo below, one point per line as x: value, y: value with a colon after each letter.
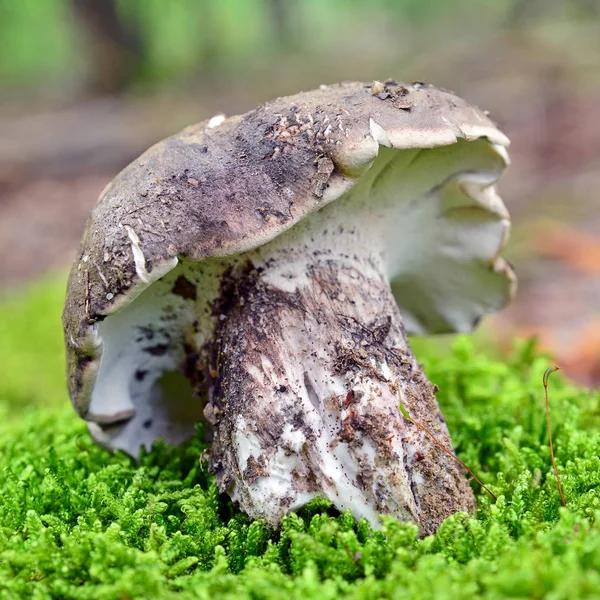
x: 310, y: 356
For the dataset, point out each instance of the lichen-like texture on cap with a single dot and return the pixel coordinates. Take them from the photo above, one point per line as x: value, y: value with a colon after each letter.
x: 229, y: 185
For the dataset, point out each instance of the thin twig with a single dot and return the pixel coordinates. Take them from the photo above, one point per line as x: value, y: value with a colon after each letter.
x: 87, y: 292
x: 442, y: 447
x: 546, y: 375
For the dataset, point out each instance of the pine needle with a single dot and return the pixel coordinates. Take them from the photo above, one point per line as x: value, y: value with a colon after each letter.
x: 546, y: 376
x: 441, y: 446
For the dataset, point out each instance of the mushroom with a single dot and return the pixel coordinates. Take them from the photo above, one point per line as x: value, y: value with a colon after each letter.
x: 264, y: 270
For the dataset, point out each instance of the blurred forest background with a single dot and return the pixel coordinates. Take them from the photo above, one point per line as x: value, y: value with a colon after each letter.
x: 87, y: 85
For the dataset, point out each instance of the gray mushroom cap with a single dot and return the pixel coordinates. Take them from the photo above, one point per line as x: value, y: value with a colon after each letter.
x: 229, y: 185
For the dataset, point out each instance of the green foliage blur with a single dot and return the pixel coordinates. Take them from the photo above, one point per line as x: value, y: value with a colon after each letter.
x: 41, y: 38
x: 178, y: 40
x: 77, y: 522
x: 31, y: 347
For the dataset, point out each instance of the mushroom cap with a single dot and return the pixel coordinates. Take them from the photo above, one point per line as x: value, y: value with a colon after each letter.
x: 229, y: 185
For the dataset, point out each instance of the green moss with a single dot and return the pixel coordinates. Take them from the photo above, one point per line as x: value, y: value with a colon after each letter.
x: 76, y: 522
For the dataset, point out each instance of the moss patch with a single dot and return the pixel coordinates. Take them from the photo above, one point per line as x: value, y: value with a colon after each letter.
x: 76, y: 522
